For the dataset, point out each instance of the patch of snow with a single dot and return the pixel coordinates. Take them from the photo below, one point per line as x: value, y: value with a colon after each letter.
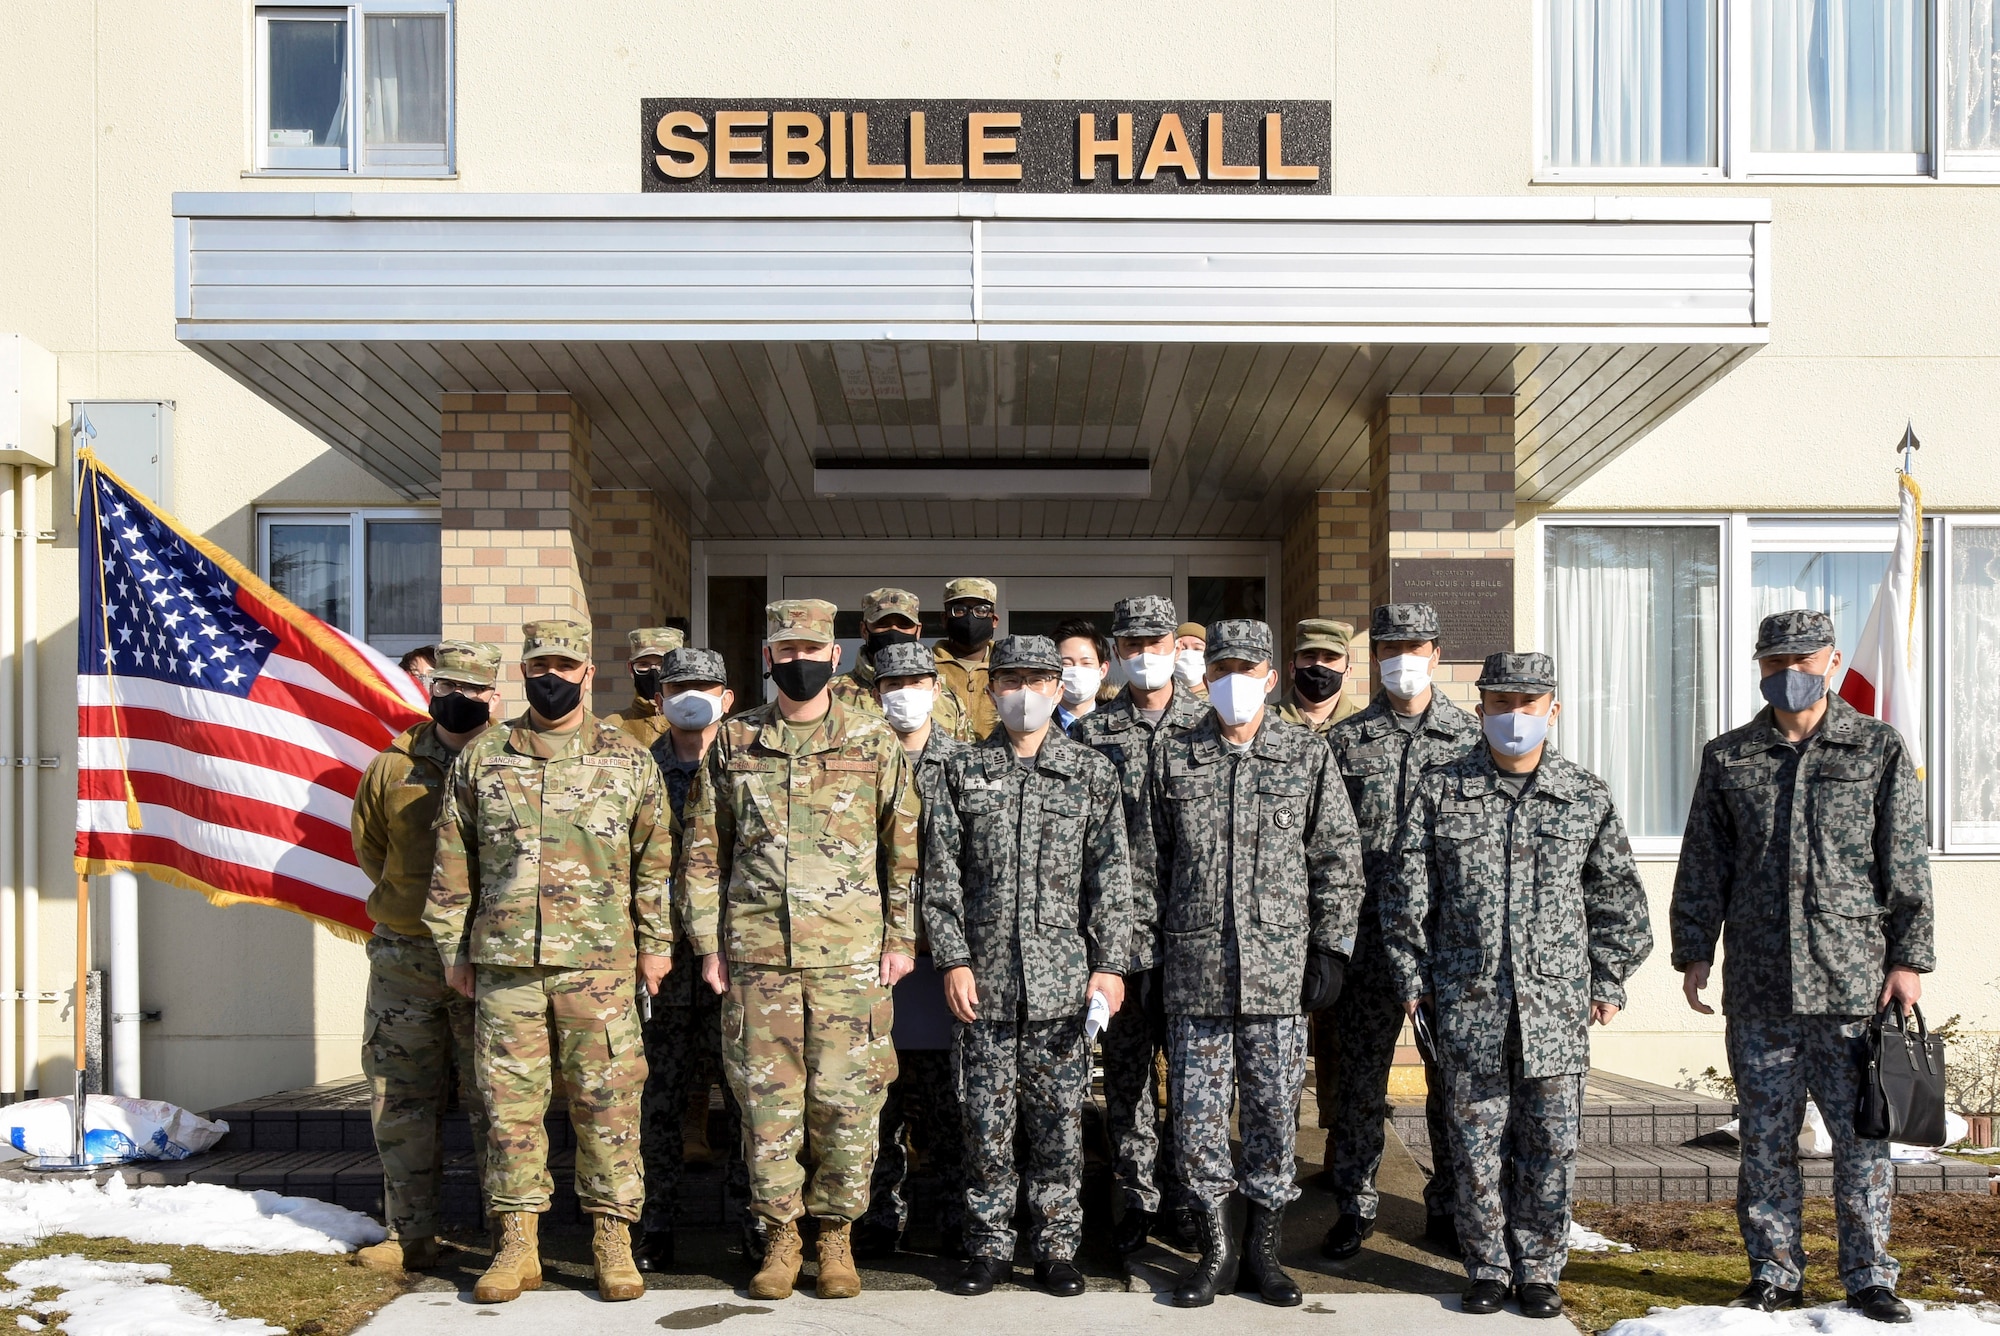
x: 1589, y: 1240
x: 119, y: 1299
x: 1829, y: 1320
x: 202, y: 1215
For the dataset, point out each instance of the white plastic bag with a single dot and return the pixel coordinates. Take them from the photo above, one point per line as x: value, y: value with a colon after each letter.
x: 115, y: 1129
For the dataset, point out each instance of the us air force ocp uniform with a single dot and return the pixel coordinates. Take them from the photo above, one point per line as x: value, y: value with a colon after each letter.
x: 642, y: 718
x: 855, y: 688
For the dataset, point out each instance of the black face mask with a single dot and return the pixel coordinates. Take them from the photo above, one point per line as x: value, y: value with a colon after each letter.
x: 967, y: 629
x: 646, y: 682
x: 802, y: 679
x: 552, y: 697
x: 1316, y: 682
x: 879, y: 640
x: 460, y: 714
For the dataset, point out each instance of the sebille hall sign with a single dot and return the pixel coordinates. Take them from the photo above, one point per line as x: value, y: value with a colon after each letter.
x: 1038, y: 146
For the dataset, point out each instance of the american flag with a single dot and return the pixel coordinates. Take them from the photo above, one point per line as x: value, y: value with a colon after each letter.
x: 221, y: 731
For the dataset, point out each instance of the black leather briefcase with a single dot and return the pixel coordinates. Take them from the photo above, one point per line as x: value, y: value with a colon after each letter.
x: 1902, y: 1081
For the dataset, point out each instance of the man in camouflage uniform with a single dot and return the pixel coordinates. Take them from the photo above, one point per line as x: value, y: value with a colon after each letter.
x: 642, y: 717
x: 785, y: 896
x: 1805, y: 852
x: 1259, y: 874
x: 1150, y: 705
x: 971, y: 616
x: 548, y: 894
x: 1314, y: 698
x: 892, y: 617
x: 922, y: 1103
x: 1514, y: 909
x: 1028, y: 899
x: 1383, y: 753
x: 418, y: 1027
x: 684, y: 1029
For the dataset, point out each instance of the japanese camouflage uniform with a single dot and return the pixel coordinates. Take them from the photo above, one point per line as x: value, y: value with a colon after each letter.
x: 642, y: 718
x: 784, y: 827
x: 1026, y: 884
x: 855, y: 688
x: 1141, y: 1133
x: 922, y: 1106
x: 1808, y: 860
x: 683, y: 1035
x: 1515, y: 914
x: 1381, y: 762
x: 1257, y: 860
x: 418, y: 1029
x: 551, y: 877
x: 1317, y: 633
x: 965, y: 678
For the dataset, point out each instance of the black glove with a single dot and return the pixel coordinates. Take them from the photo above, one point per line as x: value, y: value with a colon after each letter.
x: 1326, y: 971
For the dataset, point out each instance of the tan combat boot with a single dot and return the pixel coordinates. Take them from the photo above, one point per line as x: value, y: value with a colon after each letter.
x: 837, y: 1277
x: 611, y: 1247
x: 694, y: 1129
x: 784, y: 1253
x: 517, y: 1266
x: 412, y: 1254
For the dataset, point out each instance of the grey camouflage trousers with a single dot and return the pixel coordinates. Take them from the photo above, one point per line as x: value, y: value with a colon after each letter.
x: 1036, y: 1072
x: 417, y: 1029
x: 922, y: 1103
x: 1258, y: 1062
x: 1362, y: 1029
x: 1513, y: 1139
x: 1141, y: 1132
x: 1777, y: 1064
x: 683, y: 1042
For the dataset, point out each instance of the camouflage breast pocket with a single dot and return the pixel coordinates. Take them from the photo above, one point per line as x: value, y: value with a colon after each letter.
x: 1749, y: 785
x: 754, y: 784
x: 1459, y: 849
x: 1281, y: 850
x: 1562, y: 842
x: 985, y: 835
x: 844, y: 802
x: 1061, y: 865
x: 1842, y: 801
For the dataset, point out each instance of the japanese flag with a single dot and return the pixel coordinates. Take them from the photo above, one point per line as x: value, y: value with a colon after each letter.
x: 1886, y: 676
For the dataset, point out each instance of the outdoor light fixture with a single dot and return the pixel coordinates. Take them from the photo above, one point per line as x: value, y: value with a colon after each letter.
x: 996, y: 480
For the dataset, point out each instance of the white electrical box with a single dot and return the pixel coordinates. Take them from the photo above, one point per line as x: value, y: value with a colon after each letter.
x: 134, y: 438
x: 28, y: 418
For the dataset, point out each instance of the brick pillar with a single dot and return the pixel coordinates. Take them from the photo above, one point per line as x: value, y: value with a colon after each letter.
x: 1325, y: 573
x: 514, y: 488
x: 1441, y: 486
x: 639, y: 576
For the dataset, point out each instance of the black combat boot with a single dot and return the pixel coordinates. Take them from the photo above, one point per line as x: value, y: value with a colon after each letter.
x: 1260, y: 1258
x: 1215, y: 1270
x: 1132, y: 1230
x: 653, y: 1250
x: 1344, y: 1239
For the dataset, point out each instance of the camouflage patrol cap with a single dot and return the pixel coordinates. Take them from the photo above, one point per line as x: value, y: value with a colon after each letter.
x: 1322, y: 633
x: 1238, y: 638
x: 971, y: 586
x: 655, y: 640
x: 1529, y: 673
x: 1146, y: 616
x: 1404, y: 621
x: 688, y: 664
x: 1195, y: 629
x: 890, y: 603
x: 1036, y: 652
x: 562, y: 639
x: 1799, y: 631
x: 473, y: 662
x: 905, y: 658
x: 809, y: 619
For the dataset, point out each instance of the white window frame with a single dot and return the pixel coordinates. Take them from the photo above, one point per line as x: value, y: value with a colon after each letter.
x: 1944, y: 758
x: 357, y: 520
x: 356, y: 159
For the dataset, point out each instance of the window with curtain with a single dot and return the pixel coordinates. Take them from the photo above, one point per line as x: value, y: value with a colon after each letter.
x: 1839, y: 76
x: 362, y: 87
x: 405, y: 602
x: 1630, y: 83
x: 1840, y: 584
x: 1972, y: 74
x: 305, y: 89
x: 1973, y: 689
x: 405, y: 81
x: 312, y: 565
x: 1634, y: 626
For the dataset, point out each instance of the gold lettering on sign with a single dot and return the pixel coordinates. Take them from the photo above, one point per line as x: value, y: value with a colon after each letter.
x: 980, y: 145
x: 1275, y: 168
x: 671, y: 134
x: 796, y: 154
x: 1170, y: 148
x: 836, y: 144
x: 1089, y: 148
x: 728, y: 144
x: 1218, y: 170
x: 920, y: 168
x: 865, y: 170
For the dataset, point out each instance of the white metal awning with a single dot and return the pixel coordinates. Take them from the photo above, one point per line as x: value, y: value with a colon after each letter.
x: 731, y: 348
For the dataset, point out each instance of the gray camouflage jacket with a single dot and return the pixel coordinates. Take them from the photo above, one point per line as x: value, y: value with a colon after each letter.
x: 1503, y: 910
x: 1121, y: 734
x: 1257, y: 858
x: 1026, y: 878
x: 1809, y: 862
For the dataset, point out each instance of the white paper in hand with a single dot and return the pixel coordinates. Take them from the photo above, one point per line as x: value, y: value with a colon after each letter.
x: 1097, y: 1017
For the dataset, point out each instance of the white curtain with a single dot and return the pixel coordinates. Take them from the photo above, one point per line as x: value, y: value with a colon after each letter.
x: 309, y: 564
x: 406, y: 79
x: 1972, y: 74
x: 1631, y: 83
x: 1841, y: 584
x: 404, y: 580
x: 1634, y: 628
x: 1974, y: 687
x: 1839, y: 76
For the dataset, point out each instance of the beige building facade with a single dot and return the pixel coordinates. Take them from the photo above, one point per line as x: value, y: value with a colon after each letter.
x: 1605, y: 334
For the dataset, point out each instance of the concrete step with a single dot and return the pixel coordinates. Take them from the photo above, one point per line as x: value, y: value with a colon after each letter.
x: 1617, y: 1110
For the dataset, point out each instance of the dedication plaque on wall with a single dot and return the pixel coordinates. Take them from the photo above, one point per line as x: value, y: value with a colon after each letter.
x: 1474, y: 598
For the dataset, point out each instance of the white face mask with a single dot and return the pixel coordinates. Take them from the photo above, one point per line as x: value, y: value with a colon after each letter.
x: 1406, y: 675
x: 1150, y: 672
x: 1024, y: 711
x: 693, y: 709
x: 1080, y: 683
x: 1237, y: 697
x: 1515, y: 733
x: 908, y: 707
x: 1190, y: 666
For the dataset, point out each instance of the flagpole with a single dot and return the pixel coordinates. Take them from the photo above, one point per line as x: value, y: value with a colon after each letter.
x: 82, y: 1005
